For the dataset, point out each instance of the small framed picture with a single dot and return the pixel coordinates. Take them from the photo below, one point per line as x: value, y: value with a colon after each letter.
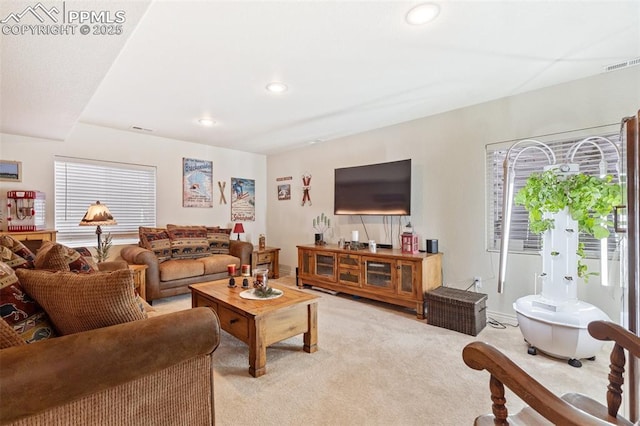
x: 284, y: 191
x: 11, y: 171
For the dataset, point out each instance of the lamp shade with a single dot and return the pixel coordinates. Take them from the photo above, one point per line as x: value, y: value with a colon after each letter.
x: 238, y: 228
x: 97, y: 215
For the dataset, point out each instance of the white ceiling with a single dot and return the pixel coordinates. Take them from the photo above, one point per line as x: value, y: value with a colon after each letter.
x: 351, y: 66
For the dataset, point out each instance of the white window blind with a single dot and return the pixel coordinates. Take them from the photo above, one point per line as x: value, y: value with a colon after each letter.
x: 521, y: 239
x: 128, y: 190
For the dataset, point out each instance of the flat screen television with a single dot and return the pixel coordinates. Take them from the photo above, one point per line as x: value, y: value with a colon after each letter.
x: 374, y: 189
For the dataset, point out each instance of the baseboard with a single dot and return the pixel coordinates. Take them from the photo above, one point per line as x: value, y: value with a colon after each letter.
x: 285, y: 270
x: 502, y: 317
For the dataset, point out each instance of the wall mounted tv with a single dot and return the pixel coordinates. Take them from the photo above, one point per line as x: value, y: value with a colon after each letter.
x: 374, y: 189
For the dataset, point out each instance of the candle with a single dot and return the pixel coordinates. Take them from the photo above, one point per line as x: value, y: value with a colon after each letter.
x: 354, y: 235
x: 246, y: 270
x: 231, y: 269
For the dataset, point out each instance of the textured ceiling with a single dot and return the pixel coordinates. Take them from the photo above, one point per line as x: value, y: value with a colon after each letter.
x: 350, y: 66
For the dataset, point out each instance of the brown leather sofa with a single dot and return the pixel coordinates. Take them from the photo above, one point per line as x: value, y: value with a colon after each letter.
x: 156, y: 371
x: 173, y: 277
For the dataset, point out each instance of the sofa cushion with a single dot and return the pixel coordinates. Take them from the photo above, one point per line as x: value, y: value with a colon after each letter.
x: 81, y: 302
x: 218, y: 239
x: 8, y: 336
x: 176, y: 269
x: 157, y: 240
x: 218, y: 263
x: 15, y: 254
x: 21, y: 312
x: 188, y: 242
x: 57, y: 257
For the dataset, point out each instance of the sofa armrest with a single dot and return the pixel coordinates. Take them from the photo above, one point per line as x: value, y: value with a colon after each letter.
x: 242, y: 250
x: 46, y: 374
x: 135, y: 255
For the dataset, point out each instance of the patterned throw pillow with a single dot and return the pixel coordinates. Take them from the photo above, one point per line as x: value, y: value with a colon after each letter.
x: 218, y: 239
x: 87, y: 256
x: 188, y: 242
x: 20, y: 312
x: 57, y: 257
x: 15, y: 254
x: 81, y: 302
x: 157, y: 240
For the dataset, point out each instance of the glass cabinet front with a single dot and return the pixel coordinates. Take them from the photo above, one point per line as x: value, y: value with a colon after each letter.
x: 379, y: 273
x: 325, y: 265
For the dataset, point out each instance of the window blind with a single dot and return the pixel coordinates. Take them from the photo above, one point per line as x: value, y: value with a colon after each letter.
x: 128, y: 190
x: 590, y: 159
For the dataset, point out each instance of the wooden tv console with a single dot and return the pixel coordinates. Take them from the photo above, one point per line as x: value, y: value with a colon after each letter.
x: 387, y: 275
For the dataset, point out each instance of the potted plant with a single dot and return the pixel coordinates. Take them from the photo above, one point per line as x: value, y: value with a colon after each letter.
x: 102, y: 251
x: 587, y: 199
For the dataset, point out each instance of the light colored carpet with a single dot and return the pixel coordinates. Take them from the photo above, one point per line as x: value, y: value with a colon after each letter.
x: 376, y: 365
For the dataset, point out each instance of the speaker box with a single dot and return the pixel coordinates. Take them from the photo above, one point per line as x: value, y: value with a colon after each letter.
x: 432, y: 246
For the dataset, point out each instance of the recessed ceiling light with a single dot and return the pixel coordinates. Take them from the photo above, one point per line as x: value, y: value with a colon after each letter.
x: 423, y: 13
x: 206, y: 122
x: 276, y: 87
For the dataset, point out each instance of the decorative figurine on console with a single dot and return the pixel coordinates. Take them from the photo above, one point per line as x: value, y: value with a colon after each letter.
x: 321, y: 224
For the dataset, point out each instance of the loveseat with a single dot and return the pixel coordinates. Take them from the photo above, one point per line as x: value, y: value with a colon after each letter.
x: 178, y: 256
x: 156, y: 371
x: 78, y: 346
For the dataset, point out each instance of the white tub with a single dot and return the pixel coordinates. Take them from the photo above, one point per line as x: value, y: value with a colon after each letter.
x: 559, y: 329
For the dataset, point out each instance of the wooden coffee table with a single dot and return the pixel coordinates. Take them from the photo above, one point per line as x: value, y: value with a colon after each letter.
x: 260, y: 323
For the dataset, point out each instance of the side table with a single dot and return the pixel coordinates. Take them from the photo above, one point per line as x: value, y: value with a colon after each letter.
x: 140, y: 279
x: 266, y: 258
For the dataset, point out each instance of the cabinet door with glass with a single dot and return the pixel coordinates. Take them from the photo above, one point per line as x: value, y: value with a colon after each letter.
x: 325, y: 265
x: 407, y: 278
x: 379, y: 274
x: 306, y: 262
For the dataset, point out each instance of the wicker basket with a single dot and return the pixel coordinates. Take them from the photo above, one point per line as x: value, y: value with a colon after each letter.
x: 458, y: 310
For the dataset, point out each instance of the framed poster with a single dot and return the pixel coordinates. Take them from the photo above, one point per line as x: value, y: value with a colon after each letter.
x: 11, y: 171
x: 197, y: 183
x: 284, y: 191
x: 243, y: 199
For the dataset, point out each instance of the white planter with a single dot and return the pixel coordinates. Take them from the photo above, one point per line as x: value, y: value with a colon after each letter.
x: 555, y: 321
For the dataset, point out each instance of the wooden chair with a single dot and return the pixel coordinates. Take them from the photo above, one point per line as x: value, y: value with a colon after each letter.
x: 544, y: 406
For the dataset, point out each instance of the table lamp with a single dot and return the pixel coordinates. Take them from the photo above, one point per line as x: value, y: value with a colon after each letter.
x: 98, y: 215
x: 238, y: 229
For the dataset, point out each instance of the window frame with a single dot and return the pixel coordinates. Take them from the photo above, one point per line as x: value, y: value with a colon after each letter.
x: 522, y: 241
x: 80, y: 182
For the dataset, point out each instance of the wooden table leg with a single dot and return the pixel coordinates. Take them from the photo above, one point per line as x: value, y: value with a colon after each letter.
x: 257, y: 348
x: 311, y: 337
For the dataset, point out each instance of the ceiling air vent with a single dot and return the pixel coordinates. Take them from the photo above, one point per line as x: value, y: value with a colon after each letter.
x: 621, y: 65
x: 141, y: 129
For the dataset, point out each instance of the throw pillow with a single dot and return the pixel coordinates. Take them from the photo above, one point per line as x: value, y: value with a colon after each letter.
x: 15, y: 254
x: 188, y: 242
x: 20, y: 312
x: 8, y: 336
x: 218, y: 240
x: 87, y: 256
x: 157, y: 240
x: 81, y: 302
x: 51, y: 256
x: 57, y: 257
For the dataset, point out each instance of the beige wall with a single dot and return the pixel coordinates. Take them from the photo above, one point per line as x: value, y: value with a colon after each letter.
x: 448, y: 194
x: 448, y: 191
x: 100, y: 143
